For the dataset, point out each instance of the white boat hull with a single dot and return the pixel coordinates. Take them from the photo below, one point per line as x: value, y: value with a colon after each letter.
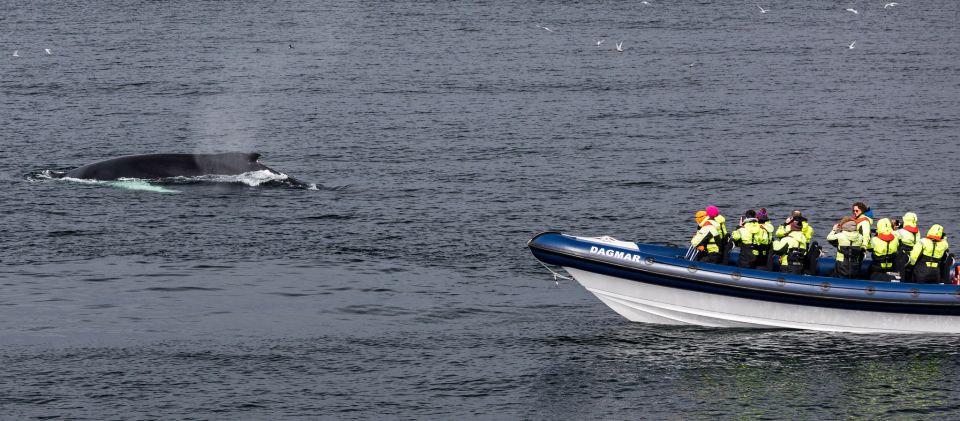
x: 651, y: 303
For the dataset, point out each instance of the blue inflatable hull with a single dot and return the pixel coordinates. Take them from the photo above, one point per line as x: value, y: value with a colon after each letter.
x: 654, y: 283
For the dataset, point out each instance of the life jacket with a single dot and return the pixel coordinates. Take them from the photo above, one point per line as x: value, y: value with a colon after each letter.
x: 706, y: 239
x: 864, y: 223
x: 908, y: 236
x: 885, y: 247
x: 754, y: 241
x: 927, y: 268
x: 793, y: 251
x: 931, y: 252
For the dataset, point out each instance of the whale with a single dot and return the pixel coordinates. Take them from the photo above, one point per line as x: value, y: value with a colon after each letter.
x: 167, y: 165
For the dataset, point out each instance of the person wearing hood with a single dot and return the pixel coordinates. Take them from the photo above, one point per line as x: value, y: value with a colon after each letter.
x: 792, y: 249
x: 805, y: 228
x: 863, y: 217
x: 753, y: 240
x: 927, y: 256
x: 849, y: 244
x: 908, y: 235
x: 884, y: 247
x: 707, y: 239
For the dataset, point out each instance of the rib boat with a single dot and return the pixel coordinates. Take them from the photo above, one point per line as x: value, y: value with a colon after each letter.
x: 652, y: 283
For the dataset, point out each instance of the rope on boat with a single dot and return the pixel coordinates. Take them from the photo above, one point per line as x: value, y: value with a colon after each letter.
x: 555, y: 274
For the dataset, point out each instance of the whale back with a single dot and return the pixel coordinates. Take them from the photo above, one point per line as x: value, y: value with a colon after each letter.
x: 152, y: 166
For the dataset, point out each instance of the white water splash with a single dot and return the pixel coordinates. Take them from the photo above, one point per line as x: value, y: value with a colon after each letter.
x: 252, y: 178
x: 125, y: 183
x: 133, y: 184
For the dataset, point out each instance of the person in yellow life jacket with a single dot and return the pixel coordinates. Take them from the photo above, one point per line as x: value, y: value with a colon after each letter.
x: 908, y: 234
x: 752, y: 239
x: 849, y: 244
x: 792, y: 249
x: 927, y: 256
x: 805, y: 227
x: 863, y: 217
x: 724, y: 241
x: 884, y: 247
x: 764, y: 220
x: 706, y: 239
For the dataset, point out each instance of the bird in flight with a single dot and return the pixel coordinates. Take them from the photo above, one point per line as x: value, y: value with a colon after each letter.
x: 645, y: 2
x: 854, y: 11
x: 544, y: 27
x: 762, y: 10
x: 620, y: 46
x: 852, y: 43
x: 47, y: 50
x: 16, y: 53
x: 890, y: 5
x: 599, y: 41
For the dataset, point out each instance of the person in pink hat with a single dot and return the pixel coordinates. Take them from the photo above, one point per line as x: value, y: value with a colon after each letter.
x: 713, y: 213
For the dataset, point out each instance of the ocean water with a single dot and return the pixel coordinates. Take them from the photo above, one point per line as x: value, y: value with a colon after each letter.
x: 441, y: 136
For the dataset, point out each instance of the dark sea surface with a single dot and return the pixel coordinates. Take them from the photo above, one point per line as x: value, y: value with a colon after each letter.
x: 441, y: 136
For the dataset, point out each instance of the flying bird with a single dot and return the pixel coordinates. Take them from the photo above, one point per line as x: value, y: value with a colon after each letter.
x: 599, y: 41
x: 544, y: 27
x: 890, y: 5
x: 620, y: 46
x: 47, y: 50
x: 762, y: 10
x: 852, y: 43
x: 854, y: 11
x: 16, y: 53
x: 645, y: 2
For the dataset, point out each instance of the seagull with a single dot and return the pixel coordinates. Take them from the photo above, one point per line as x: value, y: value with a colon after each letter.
x: 762, y: 10
x: 620, y: 46
x: 544, y: 27
x: 854, y: 11
x: 47, y: 50
x: 290, y: 45
x: 851, y: 44
x: 599, y: 41
x: 16, y: 53
x: 890, y: 5
x: 645, y: 2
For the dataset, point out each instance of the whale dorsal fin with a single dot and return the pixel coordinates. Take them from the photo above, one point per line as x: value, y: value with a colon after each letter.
x: 253, y: 156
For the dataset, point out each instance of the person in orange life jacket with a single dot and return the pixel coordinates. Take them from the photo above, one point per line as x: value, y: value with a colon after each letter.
x: 885, y: 246
x: 849, y: 244
x: 907, y: 232
x: 927, y: 256
x: 792, y: 249
x: 863, y: 217
x: 805, y: 227
x: 707, y: 238
x: 751, y: 237
x: 764, y: 220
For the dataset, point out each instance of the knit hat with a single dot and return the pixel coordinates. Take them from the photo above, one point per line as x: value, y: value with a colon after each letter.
x: 712, y: 211
x: 762, y: 215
